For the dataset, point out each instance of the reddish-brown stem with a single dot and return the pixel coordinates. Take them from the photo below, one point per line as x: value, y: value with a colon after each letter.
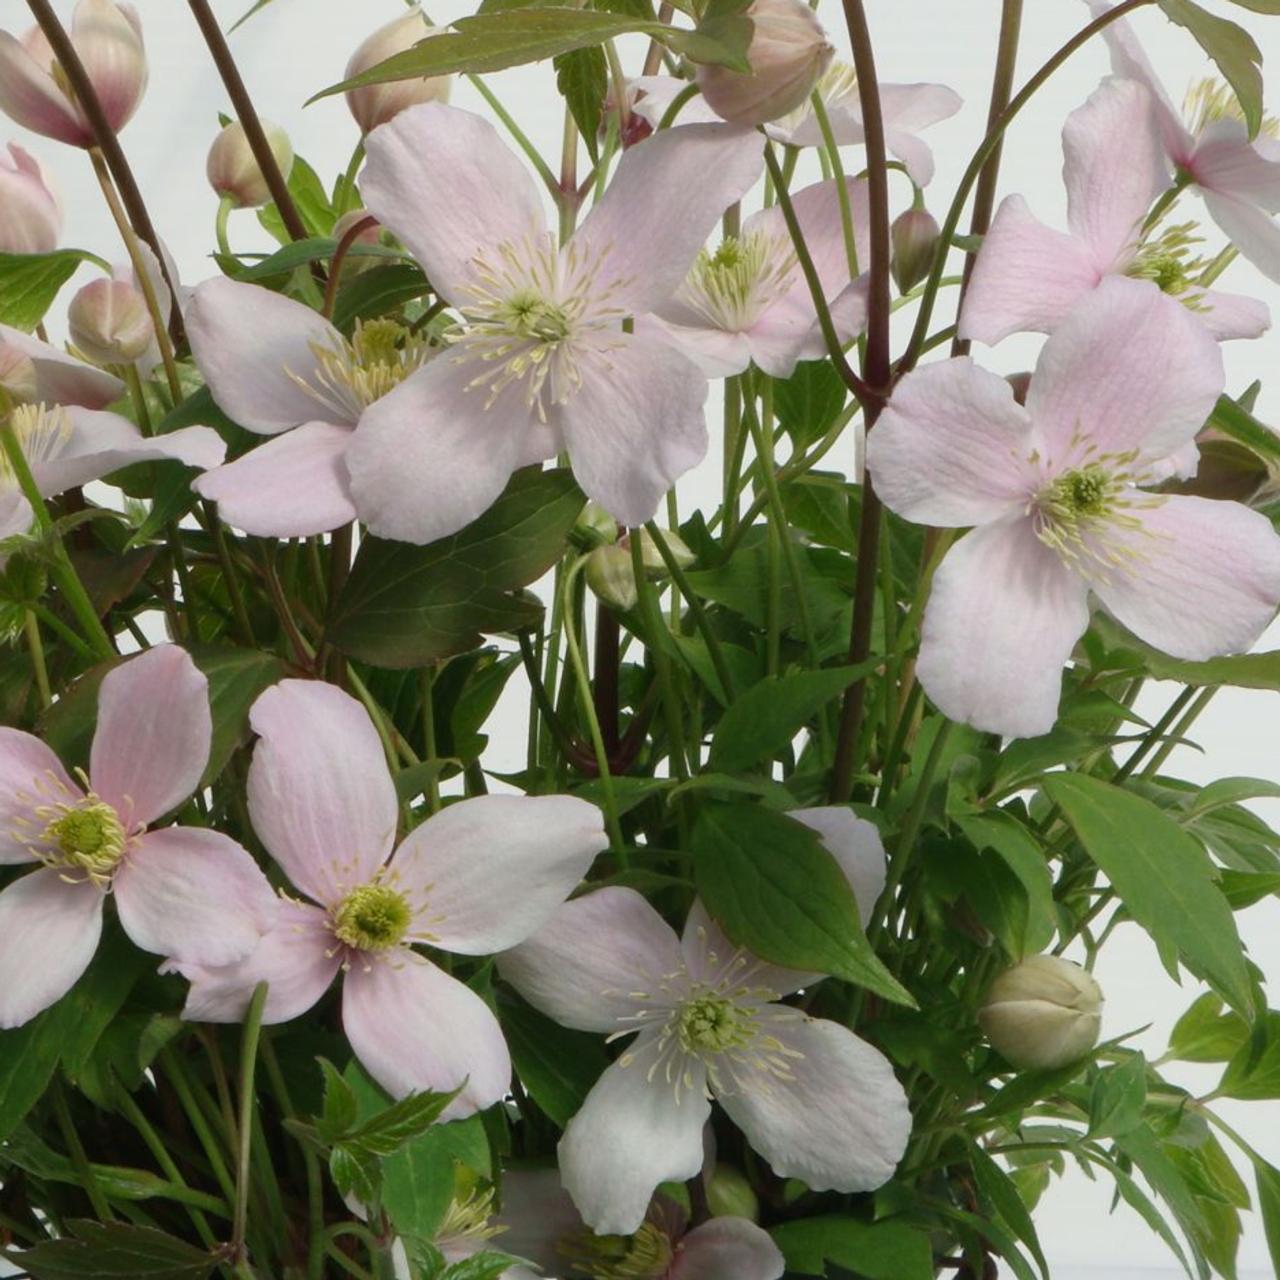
x: 349, y: 238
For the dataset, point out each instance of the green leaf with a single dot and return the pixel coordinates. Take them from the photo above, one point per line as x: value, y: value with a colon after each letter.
x: 885, y: 1250
x: 29, y: 282
x: 418, y: 1182
x: 1161, y: 874
x: 1243, y: 888
x: 114, y: 1251
x: 1232, y: 48
x: 776, y: 890
x: 300, y: 253
x: 1253, y: 1074
x: 582, y: 77
x: 1205, y: 1034
x: 309, y: 198
x: 385, y: 1133
x: 767, y: 716
x: 1165, y: 1178
x: 808, y: 402
x: 28, y: 1057
x: 1225, y: 791
x: 406, y: 606
x: 1234, y: 420
x: 1118, y: 1099
x: 340, y: 1107
x: 1005, y: 835
x: 376, y: 292
x: 556, y: 1065
x: 1267, y: 1178
x: 1002, y: 1194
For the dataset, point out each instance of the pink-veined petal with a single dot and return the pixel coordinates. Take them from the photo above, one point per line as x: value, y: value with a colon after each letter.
x: 49, y: 930
x: 444, y: 181
x: 727, y: 1248
x: 31, y: 776
x: 433, y: 455
x: 154, y: 730
x: 838, y: 1120
x: 1002, y: 619
x: 1130, y: 369
x: 1026, y: 276
x: 1197, y: 579
x: 664, y: 200
x: 297, y: 960
x: 633, y: 1132
x: 917, y: 106
x: 320, y: 795
x: 951, y: 447
x: 193, y: 895
x: 61, y: 378
x: 252, y: 346
x: 291, y: 487
x: 414, y: 1028
x: 1252, y: 230
x: 1227, y: 162
x: 856, y: 845
x: 585, y: 967
x: 29, y: 95
x: 108, y: 37
x: 635, y: 425
x: 491, y: 870
x: 717, y: 352
x: 1228, y: 315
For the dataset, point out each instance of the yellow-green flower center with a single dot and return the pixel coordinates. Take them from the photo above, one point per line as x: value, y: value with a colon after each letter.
x: 710, y: 1023
x: 731, y: 285
x: 373, y: 917
x: 380, y: 355
x: 529, y: 315
x: 1084, y: 513
x: 42, y: 432
x: 1169, y: 262
x: 1209, y: 101
x: 647, y: 1255
x: 86, y: 837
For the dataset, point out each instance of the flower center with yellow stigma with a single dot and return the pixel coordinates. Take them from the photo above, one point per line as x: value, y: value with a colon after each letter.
x: 647, y: 1255
x: 1210, y: 100
x: 377, y: 358
x: 836, y: 84
x: 374, y: 917
x: 42, y: 432
x: 1080, y: 513
x: 86, y: 838
x: 710, y: 1023
x: 732, y: 285
x: 467, y: 1220
x: 1169, y: 262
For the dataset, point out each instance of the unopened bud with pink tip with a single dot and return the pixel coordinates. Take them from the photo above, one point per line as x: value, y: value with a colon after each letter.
x: 34, y: 91
x: 915, y: 241
x: 788, y: 52
x: 375, y: 104
x: 232, y: 168
x: 30, y: 214
x: 109, y: 322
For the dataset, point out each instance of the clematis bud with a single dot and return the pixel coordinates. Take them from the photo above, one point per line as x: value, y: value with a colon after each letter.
x: 610, y: 577
x: 18, y: 382
x: 33, y: 89
x: 595, y: 525
x: 1043, y: 1013
x: 730, y: 1195
x: 915, y: 240
x: 30, y: 214
x: 788, y: 52
x: 654, y: 564
x: 233, y: 171
x: 375, y: 104
x: 109, y: 322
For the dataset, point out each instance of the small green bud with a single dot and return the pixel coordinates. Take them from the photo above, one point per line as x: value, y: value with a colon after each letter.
x: 730, y: 1195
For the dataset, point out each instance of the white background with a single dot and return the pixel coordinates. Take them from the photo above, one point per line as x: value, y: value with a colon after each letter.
x: 295, y: 47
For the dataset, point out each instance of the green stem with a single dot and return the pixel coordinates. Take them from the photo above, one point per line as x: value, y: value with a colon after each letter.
x: 543, y: 169
x: 35, y: 647
x: 429, y: 737
x: 842, y: 188
x: 84, y: 1170
x: 181, y: 1082
x: 225, y: 205
x: 655, y: 636
x: 248, y: 1062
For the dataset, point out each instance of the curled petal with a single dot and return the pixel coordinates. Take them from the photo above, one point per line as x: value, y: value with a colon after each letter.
x: 727, y: 1248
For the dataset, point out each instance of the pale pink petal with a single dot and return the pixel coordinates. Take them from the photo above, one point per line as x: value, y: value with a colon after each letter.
x: 1114, y: 167
x: 856, y: 845
x: 1026, y: 276
x: 490, y: 870
x: 715, y: 961
x: 916, y: 106
x: 536, y: 1215
x: 248, y: 342
x: 60, y: 378
x: 31, y: 776
x: 652, y: 95
x: 444, y: 181
x: 154, y: 728
x: 16, y: 515
x: 49, y: 930
x: 915, y: 154
x: 108, y: 37
x: 194, y: 895
x: 434, y: 454
x: 633, y: 1132
x: 1227, y: 162
x: 1252, y: 230
x: 100, y: 443
x: 585, y: 967
x: 636, y: 424
x: 664, y: 200
x: 1129, y: 369
x: 320, y: 795
x: 727, y: 1249
x: 838, y: 1120
x: 1228, y: 315
x: 29, y: 96
x: 1001, y: 622
x: 717, y: 352
x: 952, y: 446
x: 297, y: 959
x: 1181, y: 464
x: 788, y: 331
x: 1198, y: 578
x: 414, y: 1028
x: 291, y: 487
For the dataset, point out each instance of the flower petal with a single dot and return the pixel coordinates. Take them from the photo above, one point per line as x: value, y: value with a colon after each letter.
x: 727, y: 1249
x: 1026, y: 276
x: 1198, y: 578
x: 715, y: 961
x: 1129, y: 369
x: 291, y: 487
x: 1252, y: 230
x: 838, y: 1120
x: 537, y: 1214
x: 493, y: 869
x: 297, y: 960
x: 413, y: 1027
x: 151, y: 745
x: 635, y: 425
x: 652, y: 95
x: 49, y: 930
x: 320, y: 795
x: 952, y: 446
x: 1227, y: 162
x: 29, y: 96
x: 1001, y: 621
x: 1229, y: 315
x: 247, y: 342
x: 31, y: 776
x: 917, y: 106
x: 108, y: 37
x: 632, y: 1133
x: 856, y: 845
x: 433, y: 455
x: 193, y: 895
x: 664, y: 200
x: 915, y: 154
x: 60, y: 378
x: 717, y: 352
x: 585, y: 966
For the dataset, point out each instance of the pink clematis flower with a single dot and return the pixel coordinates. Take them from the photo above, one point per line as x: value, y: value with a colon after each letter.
x: 1055, y: 490
x: 183, y: 891
x: 32, y: 371
x: 479, y: 876
x: 748, y: 299
x: 542, y: 361
x: 1238, y: 179
x: 1028, y: 276
x: 108, y: 37
x: 30, y: 211
x: 709, y: 1024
